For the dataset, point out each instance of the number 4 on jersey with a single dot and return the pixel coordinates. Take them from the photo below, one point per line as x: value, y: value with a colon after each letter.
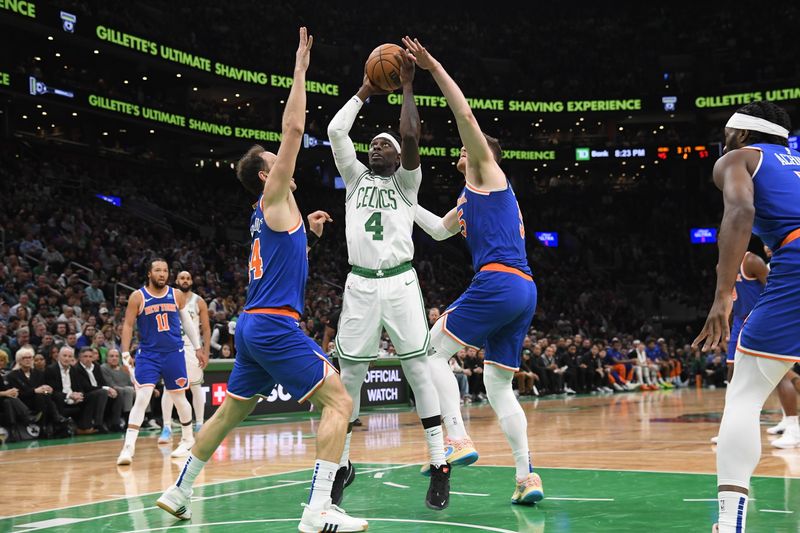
x: 256, y: 263
x: 373, y: 225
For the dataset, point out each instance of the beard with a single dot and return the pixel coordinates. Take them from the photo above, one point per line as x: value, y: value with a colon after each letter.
x: 186, y: 288
x: 158, y: 284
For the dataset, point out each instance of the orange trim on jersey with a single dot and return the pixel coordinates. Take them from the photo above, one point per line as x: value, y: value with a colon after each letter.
x: 141, y: 306
x: 240, y: 398
x: 273, y: 311
x: 459, y: 341
x: 790, y: 358
x: 793, y: 236
x: 297, y: 227
x: 741, y: 269
x: 477, y: 190
x: 499, y: 267
x: 504, y: 367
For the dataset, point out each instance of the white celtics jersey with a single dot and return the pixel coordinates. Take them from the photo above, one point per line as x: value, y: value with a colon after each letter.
x: 194, y: 312
x: 380, y: 216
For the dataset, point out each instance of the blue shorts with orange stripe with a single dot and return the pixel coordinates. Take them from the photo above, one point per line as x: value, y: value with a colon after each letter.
x: 736, y: 329
x: 772, y: 328
x: 271, y: 350
x: 151, y: 366
x: 495, y: 312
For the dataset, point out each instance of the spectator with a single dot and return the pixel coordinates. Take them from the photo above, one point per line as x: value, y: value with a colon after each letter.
x: 40, y: 362
x: 53, y: 257
x: 92, y: 382
x: 23, y: 338
x: 116, y: 377
x: 100, y: 346
x: 34, y: 392
x: 95, y: 294
x: 526, y: 379
x: 70, y: 400
x: 716, y: 372
x: 474, y: 363
x: 458, y: 371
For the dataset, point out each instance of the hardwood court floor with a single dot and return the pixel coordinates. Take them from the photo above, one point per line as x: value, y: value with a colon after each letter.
x: 625, y: 462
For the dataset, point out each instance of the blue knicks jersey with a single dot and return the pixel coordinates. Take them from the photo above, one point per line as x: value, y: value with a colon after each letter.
x: 278, y: 265
x: 159, y: 323
x: 745, y: 293
x: 776, y: 185
x: 491, y: 223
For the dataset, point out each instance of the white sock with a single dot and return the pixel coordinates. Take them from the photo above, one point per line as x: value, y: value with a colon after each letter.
x: 732, y: 511
x: 346, y: 451
x: 515, y: 428
x: 435, y: 439
x: 790, y: 421
x: 186, y: 432
x: 321, y: 483
x: 199, y: 403
x: 189, y: 472
x: 130, y: 438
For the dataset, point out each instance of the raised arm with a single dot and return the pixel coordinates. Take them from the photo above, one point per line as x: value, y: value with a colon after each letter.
x: 294, y: 118
x: 410, y: 127
x: 471, y: 135
x: 344, y: 153
x: 733, y: 177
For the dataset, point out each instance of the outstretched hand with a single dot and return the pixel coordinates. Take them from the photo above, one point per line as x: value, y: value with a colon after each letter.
x: 406, y: 66
x: 370, y: 89
x: 303, y: 56
x: 419, y: 54
x: 317, y: 220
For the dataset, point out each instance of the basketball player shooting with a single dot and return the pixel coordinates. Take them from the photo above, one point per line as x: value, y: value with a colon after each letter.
x: 382, y: 289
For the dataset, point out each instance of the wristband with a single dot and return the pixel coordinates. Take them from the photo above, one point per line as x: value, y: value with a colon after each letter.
x: 313, y: 239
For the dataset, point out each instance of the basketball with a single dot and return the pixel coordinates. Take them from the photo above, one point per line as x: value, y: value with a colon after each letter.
x: 383, y: 68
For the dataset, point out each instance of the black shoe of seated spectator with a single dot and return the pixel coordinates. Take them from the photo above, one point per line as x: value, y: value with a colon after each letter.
x: 102, y: 429
x: 438, y: 497
x: 344, y: 477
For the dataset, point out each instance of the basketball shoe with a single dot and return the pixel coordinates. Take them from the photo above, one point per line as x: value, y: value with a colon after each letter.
x: 790, y: 438
x: 166, y: 435
x: 528, y: 491
x: 438, y: 496
x: 344, y: 476
x: 183, y: 448
x: 125, y: 456
x: 457, y: 452
x: 329, y: 517
x: 176, y: 502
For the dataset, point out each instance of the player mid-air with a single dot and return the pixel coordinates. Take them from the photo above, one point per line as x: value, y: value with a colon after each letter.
x: 496, y: 310
x: 271, y: 347
x: 198, y: 311
x: 159, y: 312
x: 759, y: 176
x: 382, y: 289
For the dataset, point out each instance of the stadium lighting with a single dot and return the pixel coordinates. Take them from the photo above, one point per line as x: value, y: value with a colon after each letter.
x: 144, y: 78
x: 178, y: 75
x: 125, y: 82
x: 97, y: 51
x: 24, y: 117
x: 194, y: 88
x: 58, y: 54
x: 74, y: 114
x: 236, y: 95
x: 37, y: 58
x: 49, y: 37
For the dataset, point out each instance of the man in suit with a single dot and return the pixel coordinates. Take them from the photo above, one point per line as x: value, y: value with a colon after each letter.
x: 92, y: 382
x: 69, y: 397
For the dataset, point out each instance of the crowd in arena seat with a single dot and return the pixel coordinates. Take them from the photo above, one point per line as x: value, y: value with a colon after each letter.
x: 70, y: 260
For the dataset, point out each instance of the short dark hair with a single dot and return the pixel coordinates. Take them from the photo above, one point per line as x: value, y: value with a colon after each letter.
x: 494, y: 146
x: 771, y: 112
x: 156, y: 260
x: 249, y: 166
x: 84, y: 350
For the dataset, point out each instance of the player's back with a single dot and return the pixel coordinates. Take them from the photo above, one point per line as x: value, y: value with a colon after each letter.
x: 746, y: 293
x: 776, y: 184
x: 491, y: 223
x: 278, y: 265
x: 159, y: 323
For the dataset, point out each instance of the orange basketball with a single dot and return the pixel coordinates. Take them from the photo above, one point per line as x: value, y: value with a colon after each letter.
x: 383, y: 68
